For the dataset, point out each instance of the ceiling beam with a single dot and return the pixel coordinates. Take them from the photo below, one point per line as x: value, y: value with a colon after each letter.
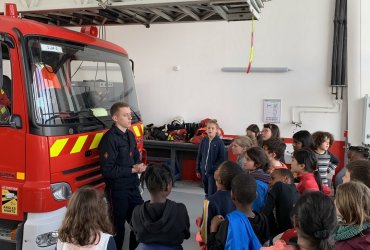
x: 189, y: 12
x: 162, y: 14
x: 219, y: 10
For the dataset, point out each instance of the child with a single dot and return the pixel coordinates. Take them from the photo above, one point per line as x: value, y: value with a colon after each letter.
x: 269, y: 131
x: 316, y: 221
x: 239, y: 146
x: 358, y: 153
x: 322, y: 142
x: 160, y: 220
x: 86, y: 224
x: 354, y: 153
x: 304, y: 164
x: 211, y: 153
x: 240, y: 228
x: 280, y: 201
x: 253, y: 132
x: 358, y: 170
x: 257, y: 164
x: 220, y: 203
x: 353, y: 204
x: 302, y: 139
x: 275, y: 149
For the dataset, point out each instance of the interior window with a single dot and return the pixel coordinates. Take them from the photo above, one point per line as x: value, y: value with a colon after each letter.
x: 6, y: 86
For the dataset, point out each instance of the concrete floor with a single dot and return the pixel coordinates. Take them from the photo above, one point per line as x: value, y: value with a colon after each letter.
x: 192, y: 195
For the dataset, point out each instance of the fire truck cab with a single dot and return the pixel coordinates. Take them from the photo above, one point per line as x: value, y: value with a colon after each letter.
x: 56, y: 89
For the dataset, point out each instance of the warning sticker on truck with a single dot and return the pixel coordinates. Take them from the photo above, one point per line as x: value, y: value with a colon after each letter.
x: 9, y: 203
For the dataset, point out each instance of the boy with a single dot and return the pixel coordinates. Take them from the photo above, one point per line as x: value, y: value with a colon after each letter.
x: 220, y: 203
x: 211, y: 153
x: 358, y: 170
x: 274, y: 149
x: 281, y: 199
x: 240, y: 228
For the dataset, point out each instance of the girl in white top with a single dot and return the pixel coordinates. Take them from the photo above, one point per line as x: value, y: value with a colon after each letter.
x: 86, y: 224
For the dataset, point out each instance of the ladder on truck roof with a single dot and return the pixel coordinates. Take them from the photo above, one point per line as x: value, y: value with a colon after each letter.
x: 145, y: 12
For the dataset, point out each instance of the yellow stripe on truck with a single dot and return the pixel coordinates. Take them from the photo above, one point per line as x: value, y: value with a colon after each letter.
x: 79, y: 144
x: 137, y: 132
x: 57, y: 147
x: 96, y: 140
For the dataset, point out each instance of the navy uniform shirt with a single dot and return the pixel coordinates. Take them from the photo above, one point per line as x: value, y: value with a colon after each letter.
x: 118, y: 153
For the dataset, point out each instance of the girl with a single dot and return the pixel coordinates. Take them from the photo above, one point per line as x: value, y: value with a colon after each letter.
x: 304, y: 164
x: 239, y: 146
x: 270, y: 130
x: 302, y: 139
x: 211, y: 153
x: 316, y: 220
x: 257, y: 164
x: 86, y: 224
x: 253, y: 132
x: 322, y: 142
x: 159, y: 221
x: 353, y: 204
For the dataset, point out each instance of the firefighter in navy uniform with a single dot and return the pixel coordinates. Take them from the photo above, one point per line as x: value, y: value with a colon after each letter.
x: 120, y: 164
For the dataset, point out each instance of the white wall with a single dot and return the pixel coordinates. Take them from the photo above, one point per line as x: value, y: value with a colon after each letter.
x: 358, y: 66
x: 291, y: 33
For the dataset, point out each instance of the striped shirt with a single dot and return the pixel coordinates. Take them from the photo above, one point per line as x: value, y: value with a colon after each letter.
x: 324, y: 165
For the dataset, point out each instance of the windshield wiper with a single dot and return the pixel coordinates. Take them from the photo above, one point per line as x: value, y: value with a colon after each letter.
x: 91, y: 115
x: 61, y: 115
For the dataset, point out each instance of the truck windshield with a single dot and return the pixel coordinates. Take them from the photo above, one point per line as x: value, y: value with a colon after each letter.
x: 77, y: 83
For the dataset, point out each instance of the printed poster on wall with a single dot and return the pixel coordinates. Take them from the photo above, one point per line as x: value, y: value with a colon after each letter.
x: 271, y: 110
x: 9, y: 204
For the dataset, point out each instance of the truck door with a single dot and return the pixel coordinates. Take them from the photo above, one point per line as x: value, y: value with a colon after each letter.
x: 12, y: 130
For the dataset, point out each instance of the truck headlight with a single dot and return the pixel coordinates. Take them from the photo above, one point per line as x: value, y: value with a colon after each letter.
x: 61, y: 191
x: 47, y: 239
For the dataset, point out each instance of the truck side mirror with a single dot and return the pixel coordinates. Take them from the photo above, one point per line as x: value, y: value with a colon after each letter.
x: 15, y: 121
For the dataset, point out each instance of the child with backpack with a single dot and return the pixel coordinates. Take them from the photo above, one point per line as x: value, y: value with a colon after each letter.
x: 242, y: 228
x: 219, y: 203
x: 211, y: 153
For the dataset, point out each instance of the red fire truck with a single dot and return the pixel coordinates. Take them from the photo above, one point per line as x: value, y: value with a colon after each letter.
x: 56, y: 88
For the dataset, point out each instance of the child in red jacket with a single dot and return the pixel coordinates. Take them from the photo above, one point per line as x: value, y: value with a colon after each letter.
x: 304, y: 164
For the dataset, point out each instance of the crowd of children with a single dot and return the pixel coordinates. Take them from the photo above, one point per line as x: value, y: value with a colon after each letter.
x: 257, y: 202
x: 291, y: 206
